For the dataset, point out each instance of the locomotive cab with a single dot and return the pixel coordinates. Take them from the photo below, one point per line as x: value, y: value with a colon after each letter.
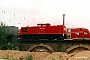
x: 79, y: 33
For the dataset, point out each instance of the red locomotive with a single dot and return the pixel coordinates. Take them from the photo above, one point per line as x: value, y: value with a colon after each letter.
x: 78, y: 33
x: 43, y: 31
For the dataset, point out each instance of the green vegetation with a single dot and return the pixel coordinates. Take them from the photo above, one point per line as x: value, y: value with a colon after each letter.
x: 7, y: 44
x: 29, y: 57
x: 53, y: 58
x: 73, y: 54
x: 2, y: 35
x: 67, y: 51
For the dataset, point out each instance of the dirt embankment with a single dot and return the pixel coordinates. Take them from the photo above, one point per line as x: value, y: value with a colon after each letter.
x: 13, y: 54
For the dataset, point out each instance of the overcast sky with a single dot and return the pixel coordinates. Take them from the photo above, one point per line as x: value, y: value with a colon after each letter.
x: 30, y: 12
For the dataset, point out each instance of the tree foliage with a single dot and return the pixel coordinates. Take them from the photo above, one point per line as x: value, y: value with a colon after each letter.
x: 2, y: 35
x: 5, y: 43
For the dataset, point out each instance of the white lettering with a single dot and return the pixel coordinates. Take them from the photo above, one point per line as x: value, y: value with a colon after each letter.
x: 42, y: 28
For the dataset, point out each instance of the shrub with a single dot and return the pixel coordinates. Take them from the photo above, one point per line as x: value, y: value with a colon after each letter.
x: 29, y: 57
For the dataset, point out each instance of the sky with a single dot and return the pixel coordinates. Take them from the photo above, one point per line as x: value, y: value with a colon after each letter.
x: 31, y: 12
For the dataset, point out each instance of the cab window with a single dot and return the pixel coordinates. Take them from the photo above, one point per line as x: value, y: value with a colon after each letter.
x: 77, y: 33
x: 68, y: 30
x: 24, y: 29
x: 85, y: 33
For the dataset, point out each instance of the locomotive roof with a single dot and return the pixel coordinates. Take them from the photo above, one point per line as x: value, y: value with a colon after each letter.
x: 44, y: 24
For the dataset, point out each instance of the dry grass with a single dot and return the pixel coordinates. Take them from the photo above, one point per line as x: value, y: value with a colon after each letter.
x: 16, y: 55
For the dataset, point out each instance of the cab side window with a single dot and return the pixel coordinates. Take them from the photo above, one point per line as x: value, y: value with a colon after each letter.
x: 85, y: 33
x: 68, y: 30
x: 77, y: 33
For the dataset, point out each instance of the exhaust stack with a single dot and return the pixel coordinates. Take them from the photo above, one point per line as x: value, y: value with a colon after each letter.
x: 63, y: 19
